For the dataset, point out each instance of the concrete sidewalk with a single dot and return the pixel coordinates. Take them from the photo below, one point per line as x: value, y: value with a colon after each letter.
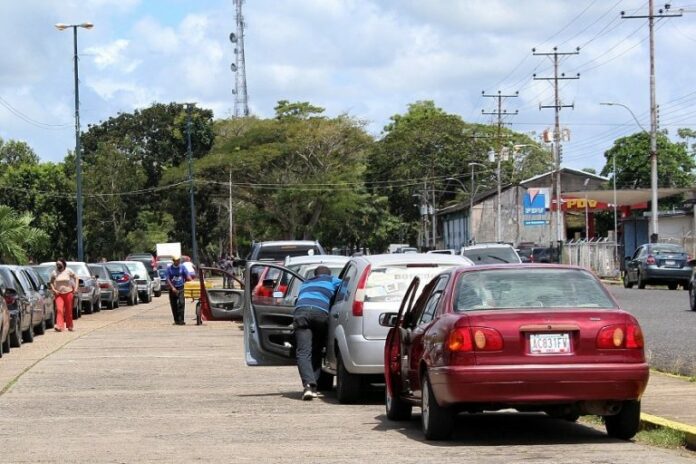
x: 670, y: 401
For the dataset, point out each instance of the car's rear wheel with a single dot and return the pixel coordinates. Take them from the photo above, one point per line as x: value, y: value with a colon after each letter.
x: 199, y: 315
x: 672, y: 286
x: 50, y: 322
x: 158, y: 294
x: 626, y: 281
x: 5, y: 348
x: 641, y: 282
x: 325, y: 382
x: 16, y: 336
x: 437, y: 422
x: 692, y: 298
x: 117, y: 303
x: 41, y: 326
x: 625, y: 424
x: 347, y: 384
x: 28, y: 335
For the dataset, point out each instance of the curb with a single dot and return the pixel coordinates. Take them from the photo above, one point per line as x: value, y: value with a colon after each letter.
x: 649, y: 421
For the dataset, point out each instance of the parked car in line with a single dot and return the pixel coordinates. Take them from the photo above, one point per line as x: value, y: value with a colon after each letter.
x: 127, y: 287
x: 447, y: 251
x: 44, y: 271
x: 148, y: 259
x: 45, y: 296
x: 491, y: 253
x: 108, y: 286
x: 142, y: 279
x: 4, y: 322
x: 24, y: 310
x: 658, y: 263
x: 546, y: 338
x: 371, y: 285
x: 277, y: 251
x: 305, y: 265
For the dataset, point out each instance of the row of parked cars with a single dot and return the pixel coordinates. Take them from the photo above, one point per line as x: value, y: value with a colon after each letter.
x: 28, y: 309
x: 447, y: 335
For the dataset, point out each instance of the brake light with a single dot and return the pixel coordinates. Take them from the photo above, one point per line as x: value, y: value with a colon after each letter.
x: 487, y: 339
x: 460, y: 340
x: 124, y: 278
x: 620, y: 336
x: 104, y: 285
x: 359, y: 300
x: 650, y: 260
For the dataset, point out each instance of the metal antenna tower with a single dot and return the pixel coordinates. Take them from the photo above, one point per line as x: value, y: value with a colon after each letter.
x: 241, y: 99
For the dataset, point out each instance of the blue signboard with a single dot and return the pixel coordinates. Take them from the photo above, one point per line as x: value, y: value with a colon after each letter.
x: 535, y: 204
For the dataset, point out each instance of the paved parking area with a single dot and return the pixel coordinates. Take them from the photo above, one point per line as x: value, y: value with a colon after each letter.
x: 128, y: 386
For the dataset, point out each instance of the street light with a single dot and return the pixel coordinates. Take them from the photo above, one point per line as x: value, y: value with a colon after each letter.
x: 653, y: 175
x: 78, y: 152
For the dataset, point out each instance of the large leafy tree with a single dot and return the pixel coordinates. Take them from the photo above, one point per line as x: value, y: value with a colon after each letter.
x: 675, y: 165
x: 18, y: 239
x: 15, y: 153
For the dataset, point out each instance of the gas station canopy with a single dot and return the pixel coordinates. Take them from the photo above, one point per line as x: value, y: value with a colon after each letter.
x: 625, y: 197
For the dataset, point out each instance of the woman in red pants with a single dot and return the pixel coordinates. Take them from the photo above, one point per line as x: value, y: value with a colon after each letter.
x: 64, y: 285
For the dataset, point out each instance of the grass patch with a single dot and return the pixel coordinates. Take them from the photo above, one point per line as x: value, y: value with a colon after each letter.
x: 675, y: 372
x: 662, y: 437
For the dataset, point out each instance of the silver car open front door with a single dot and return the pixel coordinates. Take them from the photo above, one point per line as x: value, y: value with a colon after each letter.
x: 270, y: 291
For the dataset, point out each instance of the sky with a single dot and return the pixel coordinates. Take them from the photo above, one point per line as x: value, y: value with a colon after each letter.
x: 367, y: 58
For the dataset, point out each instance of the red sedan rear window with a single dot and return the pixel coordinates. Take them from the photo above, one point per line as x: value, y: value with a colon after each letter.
x: 530, y: 288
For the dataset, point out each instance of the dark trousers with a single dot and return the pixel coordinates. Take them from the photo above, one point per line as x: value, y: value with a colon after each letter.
x: 178, y: 304
x: 311, y: 327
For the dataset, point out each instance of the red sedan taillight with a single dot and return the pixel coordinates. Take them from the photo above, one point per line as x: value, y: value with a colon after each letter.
x: 650, y: 260
x: 103, y: 285
x: 124, y: 278
x: 463, y: 339
x: 359, y: 300
x: 619, y: 336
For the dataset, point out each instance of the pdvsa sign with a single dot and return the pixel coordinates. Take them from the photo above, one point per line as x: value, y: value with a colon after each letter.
x: 573, y: 204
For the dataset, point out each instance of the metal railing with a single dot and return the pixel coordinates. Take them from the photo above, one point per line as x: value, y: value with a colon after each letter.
x: 599, y: 256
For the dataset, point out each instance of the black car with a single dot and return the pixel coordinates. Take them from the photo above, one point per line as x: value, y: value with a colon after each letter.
x: 658, y: 263
x: 24, y: 310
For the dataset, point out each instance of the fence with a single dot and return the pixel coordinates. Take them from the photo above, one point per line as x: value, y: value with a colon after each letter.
x: 600, y: 256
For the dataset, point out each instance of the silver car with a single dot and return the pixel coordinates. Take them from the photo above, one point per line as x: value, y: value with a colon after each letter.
x: 371, y: 285
x: 142, y: 279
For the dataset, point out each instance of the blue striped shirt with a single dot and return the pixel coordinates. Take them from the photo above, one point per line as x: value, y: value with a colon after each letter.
x: 317, y: 292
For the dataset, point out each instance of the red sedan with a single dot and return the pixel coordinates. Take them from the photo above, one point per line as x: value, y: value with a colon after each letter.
x: 528, y: 337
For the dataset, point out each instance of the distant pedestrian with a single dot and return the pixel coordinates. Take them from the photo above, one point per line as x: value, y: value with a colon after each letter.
x: 64, y: 284
x: 311, y: 323
x: 177, y: 276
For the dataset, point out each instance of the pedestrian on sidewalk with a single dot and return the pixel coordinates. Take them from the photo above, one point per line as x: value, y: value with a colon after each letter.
x: 177, y: 276
x: 64, y: 284
x: 311, y: 323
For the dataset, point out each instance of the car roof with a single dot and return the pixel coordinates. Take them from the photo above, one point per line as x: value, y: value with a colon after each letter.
x: 487, y: 245
x: 407, y: 258
x: 316, y: 259
x: 287, y: 242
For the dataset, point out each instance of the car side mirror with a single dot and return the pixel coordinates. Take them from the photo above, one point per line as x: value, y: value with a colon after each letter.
x: 691, y: 262
x: 96, y: 276
x: 136, y: 276
x: 388, y: 319
x: 627, y: 258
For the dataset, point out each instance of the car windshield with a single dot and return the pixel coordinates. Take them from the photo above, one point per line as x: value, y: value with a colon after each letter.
x: 389, y: 283
x: 307, y: 270
x: 79, y: 268
x: 96, y: 270
x: 492, y: 255
x: 137, y: 268
x: 279, y: 253
x: 666, y: 248
x: 44, y: 271
x: 530, y: 288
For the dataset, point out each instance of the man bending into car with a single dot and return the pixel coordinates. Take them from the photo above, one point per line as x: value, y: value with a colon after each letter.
x: 311, y: 322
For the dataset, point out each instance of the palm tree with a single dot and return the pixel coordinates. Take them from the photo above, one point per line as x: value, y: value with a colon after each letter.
x: 17, y: 235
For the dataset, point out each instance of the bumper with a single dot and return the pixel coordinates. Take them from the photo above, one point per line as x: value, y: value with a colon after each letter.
x: 538, y: 384
x: 143, y: 289
x: 364, y: 356
x: 657, y: 274
x: 107, y: 296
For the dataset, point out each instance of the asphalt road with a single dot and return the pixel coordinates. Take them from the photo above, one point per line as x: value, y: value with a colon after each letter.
x: 128, y: 386
x: 668, y: 324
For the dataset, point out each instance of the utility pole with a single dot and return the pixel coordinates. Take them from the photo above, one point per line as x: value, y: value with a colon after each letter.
x: 499, y: 113
x: 194, y: 245
x: 231, y: 225
x: 653, y: 108
x: 557, y: 106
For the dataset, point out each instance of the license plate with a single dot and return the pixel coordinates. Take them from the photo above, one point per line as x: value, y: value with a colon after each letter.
x: 670, y: 262
x: 546, y: 343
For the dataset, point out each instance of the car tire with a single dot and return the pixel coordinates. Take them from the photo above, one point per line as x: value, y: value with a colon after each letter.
x: 641, y: 282
x: 28, y: 335
x: 396, y: 408
x: 16, y: 336
x: 325, y: 382
x: 672, y: 286
x: 51, y: 321
x: 199, y: 314
x: 692, y: 298
x: 437, y: 422
x: 626, y: 423
x: 158, y: 294
x: 347, y: 384
x: 626, y: 281
x: 40, y: 328
x: 117, y: 303
x: 5, y: 348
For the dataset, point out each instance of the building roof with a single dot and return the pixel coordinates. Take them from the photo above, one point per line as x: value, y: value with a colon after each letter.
x: 570, y: 171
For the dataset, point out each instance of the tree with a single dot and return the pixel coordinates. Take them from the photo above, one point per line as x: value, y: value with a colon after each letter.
x: 17, y: 237
x: 150, y: 228
x: 675, y: 166
x: 15, y: 153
